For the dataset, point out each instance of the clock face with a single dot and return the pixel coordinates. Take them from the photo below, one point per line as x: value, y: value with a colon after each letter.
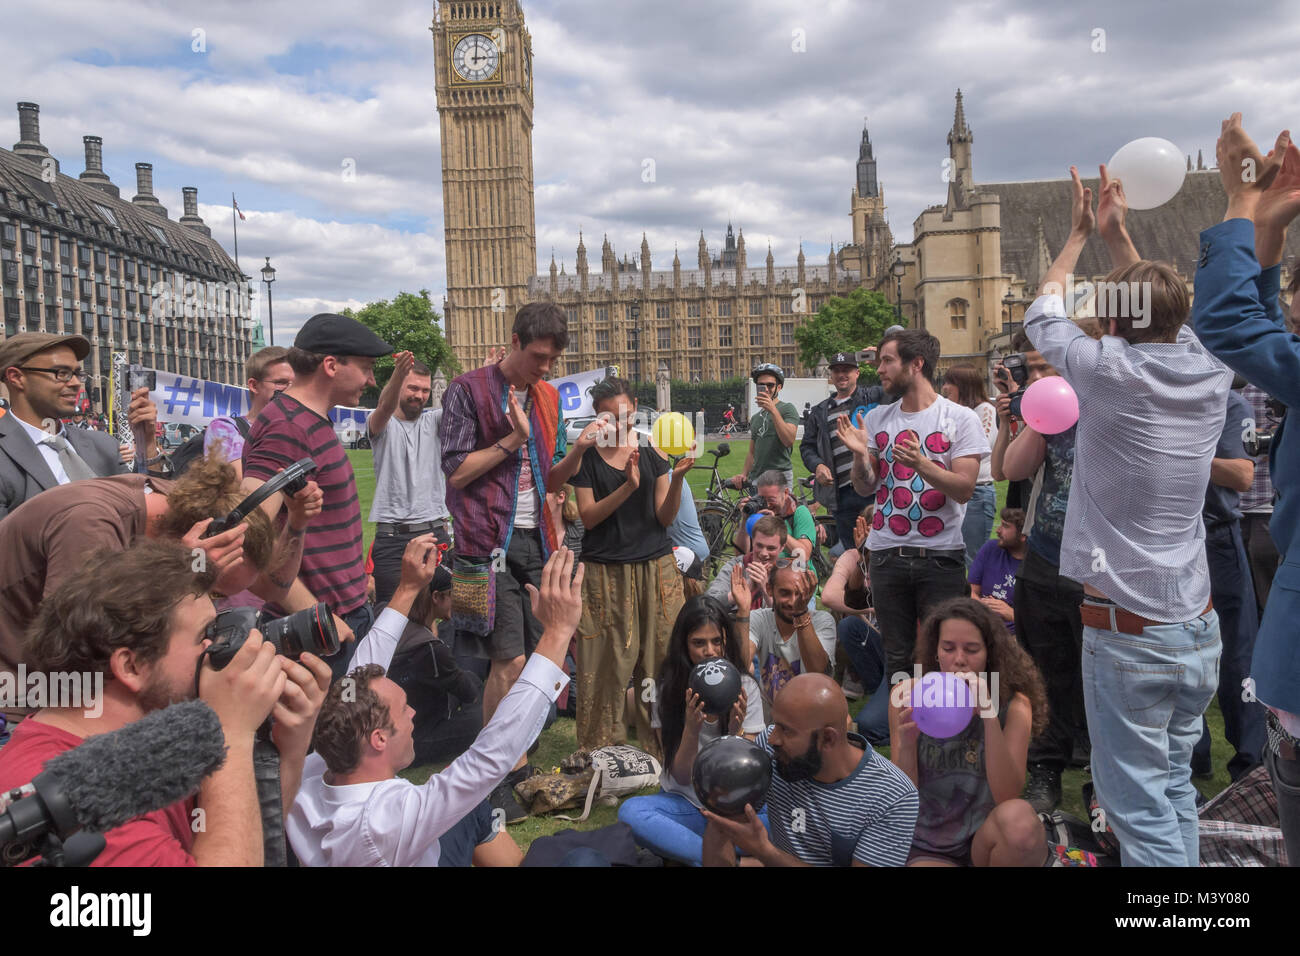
x: 528, y: 70
x: 476, y: 57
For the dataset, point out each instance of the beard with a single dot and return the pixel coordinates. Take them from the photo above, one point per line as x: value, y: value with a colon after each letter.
x: 800, y: 768
x: 898, y: 386
x: 158, y: 693
x: 411, y: 410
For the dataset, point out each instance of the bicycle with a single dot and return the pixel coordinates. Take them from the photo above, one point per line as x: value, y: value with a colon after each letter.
x: 720, y: 513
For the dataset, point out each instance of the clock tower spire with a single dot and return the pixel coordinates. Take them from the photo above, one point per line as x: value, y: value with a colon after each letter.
x: 484, y: 83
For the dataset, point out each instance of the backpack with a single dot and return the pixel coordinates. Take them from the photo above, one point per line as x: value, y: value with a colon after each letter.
x: 191, y: 449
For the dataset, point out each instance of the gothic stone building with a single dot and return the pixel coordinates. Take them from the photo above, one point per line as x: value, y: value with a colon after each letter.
x: 976, y: 261
x: 706, y: 323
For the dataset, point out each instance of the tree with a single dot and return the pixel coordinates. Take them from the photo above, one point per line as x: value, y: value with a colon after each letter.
x: 846, y: 324
x: 408, y: 324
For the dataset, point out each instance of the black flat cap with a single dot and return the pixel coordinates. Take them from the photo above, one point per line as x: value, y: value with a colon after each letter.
x: 330, y: 334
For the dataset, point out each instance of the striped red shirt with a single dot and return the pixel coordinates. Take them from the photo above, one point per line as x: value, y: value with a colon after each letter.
x: 333, y: 562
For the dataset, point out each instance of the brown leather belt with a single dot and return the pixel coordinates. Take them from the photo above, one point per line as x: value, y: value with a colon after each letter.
x: 1126, y: 622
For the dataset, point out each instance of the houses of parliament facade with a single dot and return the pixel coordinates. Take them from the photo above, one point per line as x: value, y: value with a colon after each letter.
x: 968, y: 275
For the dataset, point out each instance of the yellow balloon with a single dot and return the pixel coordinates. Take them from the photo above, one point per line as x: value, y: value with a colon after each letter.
x: 672, y: 433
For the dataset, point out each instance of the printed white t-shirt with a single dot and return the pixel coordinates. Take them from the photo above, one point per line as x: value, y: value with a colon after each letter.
x: 909, y: 511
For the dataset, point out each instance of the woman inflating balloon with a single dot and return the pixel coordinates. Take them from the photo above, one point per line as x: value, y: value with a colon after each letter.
x: 670, y: 822
x: 970, y: 782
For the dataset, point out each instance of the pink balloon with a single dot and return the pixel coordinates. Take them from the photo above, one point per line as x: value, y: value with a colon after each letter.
x: 1050, y: 405
x: 942, y: 704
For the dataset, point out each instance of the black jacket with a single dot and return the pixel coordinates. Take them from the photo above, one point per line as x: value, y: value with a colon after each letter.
x: 815, y: 446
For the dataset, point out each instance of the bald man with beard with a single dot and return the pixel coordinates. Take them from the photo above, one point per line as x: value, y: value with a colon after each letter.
x: 833, y: 802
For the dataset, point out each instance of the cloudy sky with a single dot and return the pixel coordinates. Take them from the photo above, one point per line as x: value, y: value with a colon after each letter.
x: 751, y: 112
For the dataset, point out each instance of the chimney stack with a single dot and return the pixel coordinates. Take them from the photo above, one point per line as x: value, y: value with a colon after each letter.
x: 94, y: 174
x: 29, y: 136
x: 144, y: 197
x: 191, y: 218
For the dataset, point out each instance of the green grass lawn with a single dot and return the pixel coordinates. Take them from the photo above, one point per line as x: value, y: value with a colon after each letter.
x: 559, y: 740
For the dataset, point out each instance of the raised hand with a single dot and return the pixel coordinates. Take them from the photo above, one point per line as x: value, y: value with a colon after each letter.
x: 740, y: 592
x: 1280, y: 202
x: 403, y: 362
x: 1245, y: 172
x: 686, y: 462
x: 1112, y: 205
x: 854, y: 439
x: 738, y: 711
x: 1082, y: 218
x: 632, y: 470
x: 519, y: 418
x: 695, y: 715
x: 558, y: 605
x: 304, y: 505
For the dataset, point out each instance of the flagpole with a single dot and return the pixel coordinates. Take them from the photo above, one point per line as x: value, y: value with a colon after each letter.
x: 234, y: 224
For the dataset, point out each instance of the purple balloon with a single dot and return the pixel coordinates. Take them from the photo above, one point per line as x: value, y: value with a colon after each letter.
x: 942, y: 704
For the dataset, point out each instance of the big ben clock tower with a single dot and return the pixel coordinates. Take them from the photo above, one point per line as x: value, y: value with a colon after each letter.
x: 483, y: 58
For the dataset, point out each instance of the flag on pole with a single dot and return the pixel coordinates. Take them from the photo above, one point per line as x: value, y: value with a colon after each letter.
x: 237, y: 209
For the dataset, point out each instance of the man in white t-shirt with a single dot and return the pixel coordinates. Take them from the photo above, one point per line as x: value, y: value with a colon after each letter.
x: 920, y: 458
x: 788, y: 638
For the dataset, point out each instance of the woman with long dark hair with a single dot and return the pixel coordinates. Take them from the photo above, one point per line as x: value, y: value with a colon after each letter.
x: 964, y: 385
x: 670, y: 822
x: 969, y: 785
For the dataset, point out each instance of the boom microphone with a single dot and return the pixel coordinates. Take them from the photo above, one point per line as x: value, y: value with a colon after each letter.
x: 113, y: 778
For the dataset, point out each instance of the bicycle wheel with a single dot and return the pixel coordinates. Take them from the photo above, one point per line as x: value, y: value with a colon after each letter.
x: 718, y: 523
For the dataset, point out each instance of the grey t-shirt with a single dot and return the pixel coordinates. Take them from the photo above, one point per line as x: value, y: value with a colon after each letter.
x: 778, y: 660
x: 409, y: 483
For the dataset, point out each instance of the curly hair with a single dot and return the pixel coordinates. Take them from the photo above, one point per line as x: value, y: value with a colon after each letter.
x: 117, y: 599
x: 351, y: 713
x: 210, y: 489
x: 1017, y: 673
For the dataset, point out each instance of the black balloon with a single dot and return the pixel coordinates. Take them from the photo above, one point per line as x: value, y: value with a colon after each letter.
x: 717, y: 681
x: 731, y: 772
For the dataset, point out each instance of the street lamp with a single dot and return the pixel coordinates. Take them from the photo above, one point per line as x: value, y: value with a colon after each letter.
x: 898, y: 268
x: 268, y: 276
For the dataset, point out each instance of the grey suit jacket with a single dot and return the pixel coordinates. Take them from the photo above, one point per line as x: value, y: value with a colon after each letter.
x: 24, y: 473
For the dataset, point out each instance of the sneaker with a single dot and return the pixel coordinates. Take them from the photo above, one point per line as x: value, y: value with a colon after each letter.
x: 1044, y: 788
x: 503, y: 798
x: 853, y: 688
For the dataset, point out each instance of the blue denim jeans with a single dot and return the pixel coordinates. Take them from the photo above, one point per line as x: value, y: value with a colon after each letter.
x: 670, y: 825
x: 1144, y: 695
x: 977, y: 526
x: 865, y: 651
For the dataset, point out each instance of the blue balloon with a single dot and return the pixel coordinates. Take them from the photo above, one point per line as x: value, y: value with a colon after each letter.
x: 749, y: 524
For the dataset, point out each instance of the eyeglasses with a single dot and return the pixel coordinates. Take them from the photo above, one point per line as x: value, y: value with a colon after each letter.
x: 60, y: 374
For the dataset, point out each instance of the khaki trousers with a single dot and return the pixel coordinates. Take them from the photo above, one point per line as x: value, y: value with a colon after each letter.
x: 628, y: 612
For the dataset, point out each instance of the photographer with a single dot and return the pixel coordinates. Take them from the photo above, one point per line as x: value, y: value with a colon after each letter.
x: 353, y: 809
x: 138, y: 618
x: 774, y: 498
x: 47, y: 539
x: 1046, y: 613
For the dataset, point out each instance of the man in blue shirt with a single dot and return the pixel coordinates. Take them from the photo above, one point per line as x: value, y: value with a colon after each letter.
x: 1239, y: 318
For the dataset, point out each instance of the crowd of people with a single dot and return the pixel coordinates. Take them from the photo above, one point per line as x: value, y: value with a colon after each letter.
x: 1129, y: 579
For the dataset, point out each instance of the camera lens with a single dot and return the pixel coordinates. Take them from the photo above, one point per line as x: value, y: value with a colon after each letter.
x: 311, y: 630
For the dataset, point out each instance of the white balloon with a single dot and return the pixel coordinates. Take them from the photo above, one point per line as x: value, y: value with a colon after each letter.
x: 1151, y: 169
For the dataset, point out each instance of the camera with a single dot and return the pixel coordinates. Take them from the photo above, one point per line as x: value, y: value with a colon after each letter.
x: 311, y: 630
x: 751, y: 507
x: 1258, y: 444
x: 1015, y: 366
x: 142, y: 377
x: 1013, y: 406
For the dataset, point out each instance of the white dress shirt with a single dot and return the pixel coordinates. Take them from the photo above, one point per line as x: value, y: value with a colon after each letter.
x: 396, y: 822
x: 1150, y: 416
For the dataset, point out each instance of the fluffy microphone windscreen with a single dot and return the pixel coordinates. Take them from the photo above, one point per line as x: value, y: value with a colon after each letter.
x: 145, y: 766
